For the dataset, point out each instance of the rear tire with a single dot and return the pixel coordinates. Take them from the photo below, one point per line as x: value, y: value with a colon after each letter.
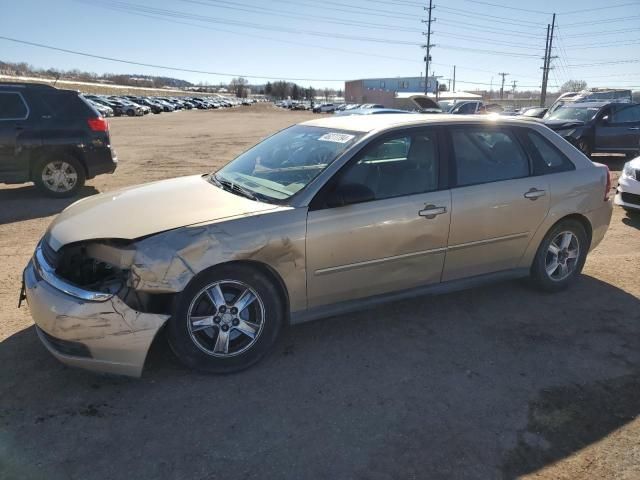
x: 59, y: 176
x: 213, y: 331
x: 560, y: 256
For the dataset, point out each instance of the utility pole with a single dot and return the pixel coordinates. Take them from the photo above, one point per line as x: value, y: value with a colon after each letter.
x: 454, y: 78
x: 428, y: 46
x: 543, y: 87
x: 502, y: 74
x: 547, y: 61
x: 513, y: 92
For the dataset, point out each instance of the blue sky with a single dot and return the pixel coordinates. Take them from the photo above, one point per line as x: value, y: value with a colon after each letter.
x: 325, y: 40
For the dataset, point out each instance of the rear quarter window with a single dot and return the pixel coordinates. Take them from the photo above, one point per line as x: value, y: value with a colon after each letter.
x: 66, y: 106
x: 546, y: 157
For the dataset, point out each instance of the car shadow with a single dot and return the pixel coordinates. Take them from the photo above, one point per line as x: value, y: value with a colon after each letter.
x: 27, y: 203
x: 494, y: 382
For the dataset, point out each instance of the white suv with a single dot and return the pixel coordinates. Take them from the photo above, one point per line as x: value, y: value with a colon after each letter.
x: 628, y: 193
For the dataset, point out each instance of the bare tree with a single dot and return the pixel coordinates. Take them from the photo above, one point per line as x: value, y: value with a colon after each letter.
x: 573, y: 86
x: 239, y: 86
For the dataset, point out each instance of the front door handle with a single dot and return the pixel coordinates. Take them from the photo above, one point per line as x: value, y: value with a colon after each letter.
x: 534, y: 194
x: 430, y: 211
x: 633, y: 128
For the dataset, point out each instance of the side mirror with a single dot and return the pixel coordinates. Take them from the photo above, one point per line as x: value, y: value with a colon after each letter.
x: 348, y: 194
x: 605, y: 119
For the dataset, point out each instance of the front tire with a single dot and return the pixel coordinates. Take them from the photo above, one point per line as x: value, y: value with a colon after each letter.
x: 59, y: 176
x: 560, y: 256
x: 226, y: 320
x: 585, y: 147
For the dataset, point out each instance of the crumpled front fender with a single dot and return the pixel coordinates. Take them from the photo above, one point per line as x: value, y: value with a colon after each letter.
x: 166, y: 263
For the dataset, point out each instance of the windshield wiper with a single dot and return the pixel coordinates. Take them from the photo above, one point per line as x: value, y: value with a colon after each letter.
x: 234, y: 187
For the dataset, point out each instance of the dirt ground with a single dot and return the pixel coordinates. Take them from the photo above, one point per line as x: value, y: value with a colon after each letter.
x: 496, y: 382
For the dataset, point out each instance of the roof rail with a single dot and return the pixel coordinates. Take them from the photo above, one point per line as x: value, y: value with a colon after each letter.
x: 26, y: 85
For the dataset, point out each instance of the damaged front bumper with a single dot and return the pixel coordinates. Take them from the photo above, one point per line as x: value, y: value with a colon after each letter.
x: 91, y: 330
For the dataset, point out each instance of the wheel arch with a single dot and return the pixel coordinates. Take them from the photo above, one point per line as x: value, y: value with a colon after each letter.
x: 266, y: 270
x: 532, y: 249
x: 44, y: 153
x: 582, y: 220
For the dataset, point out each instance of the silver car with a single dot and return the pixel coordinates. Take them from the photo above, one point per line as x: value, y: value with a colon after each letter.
x: 322, y: 218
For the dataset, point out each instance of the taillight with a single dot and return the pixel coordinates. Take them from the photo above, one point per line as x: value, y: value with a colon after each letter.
x: 607, y: 192
x: 98, y: 124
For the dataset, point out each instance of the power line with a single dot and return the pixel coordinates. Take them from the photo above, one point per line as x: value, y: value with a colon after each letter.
x: 358, y: 10
x: 278, y: 40
x: 489, y: 52
x: 607, y: 7
x: 613, y: 62
x: 602, y: 45
x: 483, y: 40
x: 507, y: 7
x: 131, y: 8
x: 604, y: 20
x: 287, y: 14
x: 400, y: 3
x: 602, y: 32
x: 188, y: 70
x: 165, y: 67
x: 479, y: 28
x: 481, y: 16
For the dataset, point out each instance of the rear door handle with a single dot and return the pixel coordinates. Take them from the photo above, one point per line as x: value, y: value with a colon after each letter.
x: 430, y: 211
x: 534, y: 194
x: 633, y: 128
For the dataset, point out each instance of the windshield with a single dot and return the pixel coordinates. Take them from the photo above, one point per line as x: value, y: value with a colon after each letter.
x: 533, y: 112
x: 446, y: 105
x: 582, y: 114
x: 286, y: 162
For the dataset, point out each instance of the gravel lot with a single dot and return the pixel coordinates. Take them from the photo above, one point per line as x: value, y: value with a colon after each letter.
x: 496, y: 382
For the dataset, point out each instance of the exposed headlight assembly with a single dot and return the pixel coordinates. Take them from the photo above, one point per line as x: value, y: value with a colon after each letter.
x: 627, y: 171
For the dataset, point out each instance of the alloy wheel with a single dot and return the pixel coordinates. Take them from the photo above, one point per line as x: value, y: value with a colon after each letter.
x: 225, y: 318
x: 562, y: 256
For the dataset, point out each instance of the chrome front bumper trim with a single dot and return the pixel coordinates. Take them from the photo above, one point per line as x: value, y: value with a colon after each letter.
x: 48, y: 274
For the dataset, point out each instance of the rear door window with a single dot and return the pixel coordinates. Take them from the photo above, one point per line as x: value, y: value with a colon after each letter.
x: 484, y: 155
x: 626, y: 115
x: 12, y: 106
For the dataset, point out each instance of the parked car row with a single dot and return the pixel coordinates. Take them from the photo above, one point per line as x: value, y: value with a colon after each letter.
x: 324, y: 107
x: 137, y: 105
x: 59, y: 138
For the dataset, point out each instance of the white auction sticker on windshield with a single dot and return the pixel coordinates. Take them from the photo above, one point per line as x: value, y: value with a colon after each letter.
x: 336, y: 137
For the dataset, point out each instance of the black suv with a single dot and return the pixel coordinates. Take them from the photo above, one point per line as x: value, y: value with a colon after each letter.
x: 602, y: 127
x: 52, y: 137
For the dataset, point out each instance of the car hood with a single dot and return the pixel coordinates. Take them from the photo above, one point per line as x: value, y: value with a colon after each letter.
x: 563, y: 124
x: 142, y: 210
